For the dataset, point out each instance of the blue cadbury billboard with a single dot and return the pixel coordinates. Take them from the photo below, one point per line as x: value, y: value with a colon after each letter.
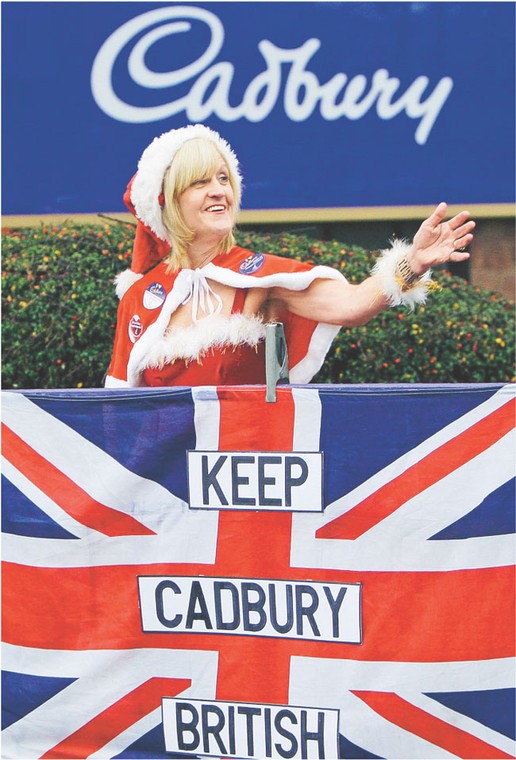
x: 327, y: 104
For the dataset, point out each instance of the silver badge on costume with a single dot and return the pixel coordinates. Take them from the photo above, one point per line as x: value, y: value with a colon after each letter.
x: 135, y: 328
x: 252, y: 263
x: 154, y: 296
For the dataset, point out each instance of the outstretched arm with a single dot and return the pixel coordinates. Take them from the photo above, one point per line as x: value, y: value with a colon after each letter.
x: 340, y: 303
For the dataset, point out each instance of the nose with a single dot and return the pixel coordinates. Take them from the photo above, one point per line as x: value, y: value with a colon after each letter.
x: 215, y: 187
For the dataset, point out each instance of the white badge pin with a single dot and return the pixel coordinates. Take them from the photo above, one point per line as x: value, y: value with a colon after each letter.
x: 135, y: 328
x: 154, y: 296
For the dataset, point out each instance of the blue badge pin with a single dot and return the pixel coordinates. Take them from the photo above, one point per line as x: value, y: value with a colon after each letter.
x: 252, y: 263
x: 154, y: 296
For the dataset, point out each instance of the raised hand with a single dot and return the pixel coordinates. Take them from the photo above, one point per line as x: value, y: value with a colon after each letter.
x: 438, y: 241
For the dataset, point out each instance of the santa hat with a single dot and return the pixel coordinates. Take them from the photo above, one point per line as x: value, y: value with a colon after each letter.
x: 144, y: 196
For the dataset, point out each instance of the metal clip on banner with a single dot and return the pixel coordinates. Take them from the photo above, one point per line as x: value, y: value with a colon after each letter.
x: 276, y: 358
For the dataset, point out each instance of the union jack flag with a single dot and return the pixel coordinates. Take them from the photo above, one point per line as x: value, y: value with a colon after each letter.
x: 419, y: 509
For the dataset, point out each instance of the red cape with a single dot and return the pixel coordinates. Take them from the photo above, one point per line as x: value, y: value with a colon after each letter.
x: 145, y: 310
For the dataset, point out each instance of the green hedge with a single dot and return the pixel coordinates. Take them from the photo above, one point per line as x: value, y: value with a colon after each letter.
x: 59, y: 312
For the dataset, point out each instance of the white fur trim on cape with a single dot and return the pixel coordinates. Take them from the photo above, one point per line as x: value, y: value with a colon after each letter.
x: 385, y: 270
x: 289, y: 280
x: 323, y: 334
x: 216, y: 331
x: 320, y: 342
x: 124, y: 280
x: 183, y: 285
x: 155, y: 160
x: 114, y: 382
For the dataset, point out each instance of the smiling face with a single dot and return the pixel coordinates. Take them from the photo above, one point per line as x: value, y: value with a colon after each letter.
x: 202, y: 198
x: 207, y: 206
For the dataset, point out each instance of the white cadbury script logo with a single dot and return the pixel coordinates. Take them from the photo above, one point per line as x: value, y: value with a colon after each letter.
x: 210, y: 92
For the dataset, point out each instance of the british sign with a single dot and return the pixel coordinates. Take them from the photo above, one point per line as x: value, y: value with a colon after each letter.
x: 225, y: 729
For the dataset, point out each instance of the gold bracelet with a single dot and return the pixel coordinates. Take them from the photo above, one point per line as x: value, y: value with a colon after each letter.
x: 406, y: 277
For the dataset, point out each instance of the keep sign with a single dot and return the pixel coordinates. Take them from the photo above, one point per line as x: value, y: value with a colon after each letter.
x: 282, y: 481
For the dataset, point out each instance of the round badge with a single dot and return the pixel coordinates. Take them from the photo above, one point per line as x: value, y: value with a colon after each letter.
x: 135, y: 328
x: 154, y: 296
x: 252, y: 263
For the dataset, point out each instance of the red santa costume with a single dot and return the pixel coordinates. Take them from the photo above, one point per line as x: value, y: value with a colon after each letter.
x: 215, y: 349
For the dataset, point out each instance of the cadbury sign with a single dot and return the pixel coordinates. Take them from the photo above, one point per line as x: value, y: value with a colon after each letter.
x: 327, y: 105
x: 210, y: 92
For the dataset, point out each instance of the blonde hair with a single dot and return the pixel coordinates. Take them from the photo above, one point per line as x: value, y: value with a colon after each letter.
x: 196, y: 159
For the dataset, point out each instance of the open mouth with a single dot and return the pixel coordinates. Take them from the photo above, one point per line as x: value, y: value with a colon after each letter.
x: 216, y: 208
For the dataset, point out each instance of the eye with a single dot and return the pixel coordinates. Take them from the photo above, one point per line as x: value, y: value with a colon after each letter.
x: 199, y: 182
x: 223, y: 179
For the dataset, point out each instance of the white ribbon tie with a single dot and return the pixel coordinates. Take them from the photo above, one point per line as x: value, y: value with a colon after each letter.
x: 202, y: 296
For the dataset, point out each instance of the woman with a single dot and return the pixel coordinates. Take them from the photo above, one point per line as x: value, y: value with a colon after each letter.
x: 194, y: 306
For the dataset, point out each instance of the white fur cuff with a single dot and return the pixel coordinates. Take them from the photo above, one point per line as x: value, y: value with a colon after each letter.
x: 385, y: 270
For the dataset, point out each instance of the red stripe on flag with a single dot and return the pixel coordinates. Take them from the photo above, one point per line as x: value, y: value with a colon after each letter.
x: 247, y: 538
x: 251, y: 669
x: 421, y: 475
x: 108, y: 724
x: 412, y: 617
x: 434, y: 730
x: 65, y: 493
x: 249, y: 423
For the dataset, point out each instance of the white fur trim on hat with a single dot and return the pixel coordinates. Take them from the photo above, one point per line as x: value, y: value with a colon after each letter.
x: 155, y: 160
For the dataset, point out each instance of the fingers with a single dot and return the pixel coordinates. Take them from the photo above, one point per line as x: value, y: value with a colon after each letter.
x: 463, y: 236
x: 464, y: 230
x: 455, y: 223
x: 459, y: 256
x: 462, y: 242
x: 438, y: 215
x: 459, y: 220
